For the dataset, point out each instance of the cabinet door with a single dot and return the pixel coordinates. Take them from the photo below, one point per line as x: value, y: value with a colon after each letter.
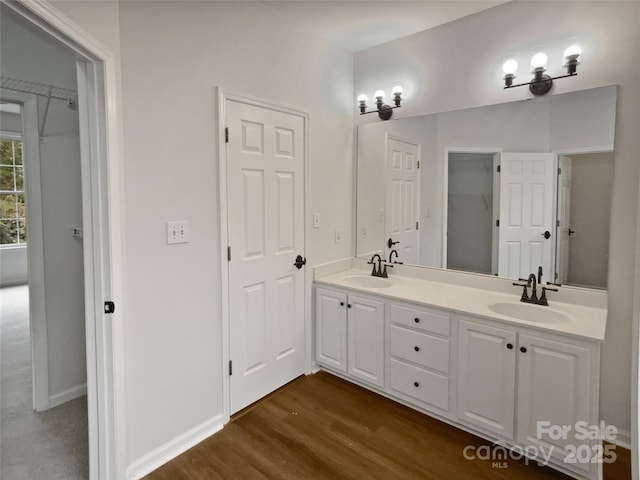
x: 554, y: 387
x: 486, y: 377
x: 366, y: 340
x: 331, y: 328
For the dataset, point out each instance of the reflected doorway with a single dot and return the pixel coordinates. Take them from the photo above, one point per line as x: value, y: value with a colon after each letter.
x: 585, y: 186
x: 471, y: 227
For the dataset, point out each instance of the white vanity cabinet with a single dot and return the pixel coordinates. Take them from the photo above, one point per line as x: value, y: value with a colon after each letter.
x: 529, y: 385
x: 331, y: 328
x: 419, y: 349
x: 558, y: 384
x: 486, y: 377
x: 516, y: 383
x: 350, y: 334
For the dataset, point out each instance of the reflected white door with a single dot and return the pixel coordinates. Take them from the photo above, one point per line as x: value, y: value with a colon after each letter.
x: 526, y: 214
x: 564, y: 219
x: 265, y: 178
x: 402, y: 199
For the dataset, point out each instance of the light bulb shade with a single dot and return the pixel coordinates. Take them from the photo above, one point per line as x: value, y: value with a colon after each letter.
x: 510, y: 67
x: 572, y: 53
x: 397, y: 90
x: 538, y: 61
x: 362, y: 98
x: 571, y: 58
x: 379, y: 95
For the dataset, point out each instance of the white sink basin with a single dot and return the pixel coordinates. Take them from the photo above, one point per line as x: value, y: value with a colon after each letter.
x: 528, y: 312
x: 366, y: 281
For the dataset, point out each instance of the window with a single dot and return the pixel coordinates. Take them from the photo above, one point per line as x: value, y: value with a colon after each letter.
x: 13, y: 226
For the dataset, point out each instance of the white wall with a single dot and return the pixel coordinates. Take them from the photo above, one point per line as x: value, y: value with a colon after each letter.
x: 27, y: 54
x: 591, y: 180
x: 13, y: 266
x: 10, y: 122
x: 173, y: 55
x: 447, y: 68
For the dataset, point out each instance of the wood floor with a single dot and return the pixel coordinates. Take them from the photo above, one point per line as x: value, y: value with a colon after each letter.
x: 321, y: 427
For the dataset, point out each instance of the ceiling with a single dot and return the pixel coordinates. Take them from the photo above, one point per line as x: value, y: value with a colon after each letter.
x: 361, y: 24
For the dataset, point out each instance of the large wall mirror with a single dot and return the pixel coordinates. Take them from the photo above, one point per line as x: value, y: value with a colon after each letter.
x: 496, y: 190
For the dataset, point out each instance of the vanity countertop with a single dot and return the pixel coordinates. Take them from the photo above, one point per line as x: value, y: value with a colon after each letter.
x: 586, y: 322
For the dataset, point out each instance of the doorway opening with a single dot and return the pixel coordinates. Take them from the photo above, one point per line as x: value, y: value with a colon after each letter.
x: 471, y: 212
x: 73, y: 345
x: 44, y: 377
x: 585, y: 183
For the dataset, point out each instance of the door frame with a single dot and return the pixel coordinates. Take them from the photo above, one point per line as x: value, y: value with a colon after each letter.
x: 102, y: 198
x: 222, y: 97
x: 497, y: 152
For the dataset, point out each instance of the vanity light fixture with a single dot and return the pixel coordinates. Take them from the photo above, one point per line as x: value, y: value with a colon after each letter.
x: 384, y: 111
x: 541, y: 83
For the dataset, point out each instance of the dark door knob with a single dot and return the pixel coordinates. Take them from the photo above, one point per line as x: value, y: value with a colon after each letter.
x: 571, y: 231
x: 391, y: 243
x: 342, y: 304
x: 416, y: 384
x: 417, y: 320
x: 509, y: 346
x: 417, y: 349
x: 300, y: 262
x: 523, y: 349
x: 547, y: 235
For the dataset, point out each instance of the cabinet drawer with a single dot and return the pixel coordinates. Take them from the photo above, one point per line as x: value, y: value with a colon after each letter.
x: 421, y: 319
x: 427, y: 387
x: 420, y: 348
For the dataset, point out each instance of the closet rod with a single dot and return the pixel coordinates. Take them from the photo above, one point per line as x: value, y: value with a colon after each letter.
x: 41, y: 89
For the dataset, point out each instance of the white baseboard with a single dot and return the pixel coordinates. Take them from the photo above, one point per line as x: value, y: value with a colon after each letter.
x: 161, y: 455
x: 68, y: 395
x: 315, y: 368
x: 623, y: 439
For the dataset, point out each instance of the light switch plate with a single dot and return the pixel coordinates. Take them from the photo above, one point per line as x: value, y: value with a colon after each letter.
x: 178, y: 232
x: 316, y: 220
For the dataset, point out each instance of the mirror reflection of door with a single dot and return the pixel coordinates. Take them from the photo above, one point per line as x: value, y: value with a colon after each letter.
x: 402, y: 201
x: 527, y: 214
x: 584, y: 206
x: 470, y: 212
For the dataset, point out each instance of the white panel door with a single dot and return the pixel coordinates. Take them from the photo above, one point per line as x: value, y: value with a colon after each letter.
x: 486, y: 377
x: 553, y: 386
x: 402, y: 199
x: 365, y: 339
x: 331, y: 328
x: 564, y: 220
x: 265, y: 171
x: 526, y: 213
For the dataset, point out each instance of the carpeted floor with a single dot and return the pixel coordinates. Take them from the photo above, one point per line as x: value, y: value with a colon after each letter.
x: 51, y: 445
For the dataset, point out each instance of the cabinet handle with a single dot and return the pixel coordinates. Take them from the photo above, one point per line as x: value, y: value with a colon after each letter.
x: 348, y: 305
x: 342, y: 304
x: 509, y: 346
x: 417, y: 320
x: 523, y: 349
x: 416, y: 384
x: 417, y: 349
